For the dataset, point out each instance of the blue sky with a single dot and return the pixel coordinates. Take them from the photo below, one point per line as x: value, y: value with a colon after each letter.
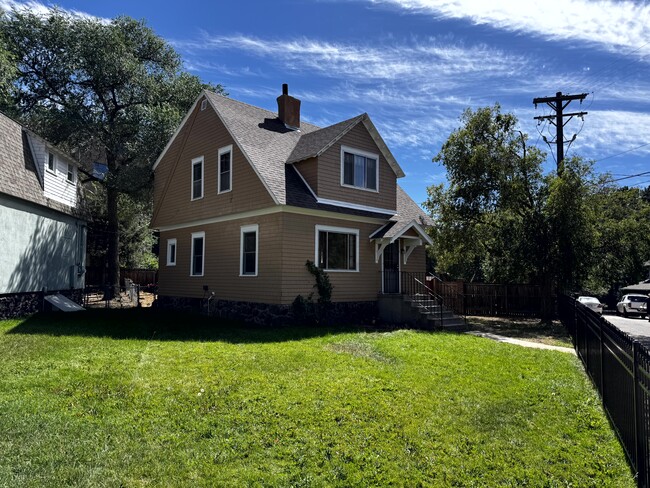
x: 415, y: 65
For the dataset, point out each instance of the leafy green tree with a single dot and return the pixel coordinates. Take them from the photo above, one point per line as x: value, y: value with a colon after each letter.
x: 500, y: 219
x: 622, y: 239
x: 106, y: 91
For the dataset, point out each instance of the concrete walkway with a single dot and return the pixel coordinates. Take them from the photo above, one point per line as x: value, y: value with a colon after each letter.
x: 518, y: 342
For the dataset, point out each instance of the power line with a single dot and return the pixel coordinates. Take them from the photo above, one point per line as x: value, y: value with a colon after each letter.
x: 630, y: 176
x: 621, y: 153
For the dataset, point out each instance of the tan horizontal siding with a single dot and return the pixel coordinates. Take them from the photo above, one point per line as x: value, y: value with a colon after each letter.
x: 299, y: 243
x: 329, y: 173
x: 172, y: 199
x: 416, y: 262
x: 222, y: 262
x: 309, y: 171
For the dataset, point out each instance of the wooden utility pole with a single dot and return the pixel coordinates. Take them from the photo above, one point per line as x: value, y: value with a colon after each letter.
x: 558, y: 103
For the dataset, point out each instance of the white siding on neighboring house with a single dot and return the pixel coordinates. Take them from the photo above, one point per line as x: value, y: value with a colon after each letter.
x: 55, y: 183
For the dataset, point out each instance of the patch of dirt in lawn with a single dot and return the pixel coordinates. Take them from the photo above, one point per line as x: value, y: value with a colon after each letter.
x: 96, y: 300
x: 553, y: 333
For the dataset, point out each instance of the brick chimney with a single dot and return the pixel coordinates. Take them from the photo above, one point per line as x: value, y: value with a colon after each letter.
x: 288, y: 109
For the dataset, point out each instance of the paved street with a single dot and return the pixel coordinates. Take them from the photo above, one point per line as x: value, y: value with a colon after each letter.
x: 638, y: 328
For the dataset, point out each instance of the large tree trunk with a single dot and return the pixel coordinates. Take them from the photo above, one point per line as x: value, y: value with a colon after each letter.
x: 112, y: 253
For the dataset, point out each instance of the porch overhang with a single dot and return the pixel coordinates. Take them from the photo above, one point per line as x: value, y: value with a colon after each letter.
x: 393, y: 231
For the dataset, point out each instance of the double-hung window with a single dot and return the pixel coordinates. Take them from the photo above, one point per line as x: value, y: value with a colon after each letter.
x: 359, y: 169
x: 70, y: 173
x: 248, y: 251
x: 51, y: 165
x: 225, y: 170
x: 197, y: 178
x: 337, y: 248
x: 171, y: 252
x: 198, y: 254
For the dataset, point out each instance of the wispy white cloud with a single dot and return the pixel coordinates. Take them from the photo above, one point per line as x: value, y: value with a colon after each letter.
x: 609, y: 23
x: 42, y: 8
x: 425, y: 59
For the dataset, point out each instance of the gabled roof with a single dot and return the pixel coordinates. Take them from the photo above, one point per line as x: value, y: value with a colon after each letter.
x: 268, y: 144
x: 262, y: 137
x: 316, y: 143
x: 409, y: 216
x: 19, y: 176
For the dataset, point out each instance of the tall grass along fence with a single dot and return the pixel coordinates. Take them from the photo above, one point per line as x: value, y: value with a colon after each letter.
x: 487, y: 299
x: 619, y: 367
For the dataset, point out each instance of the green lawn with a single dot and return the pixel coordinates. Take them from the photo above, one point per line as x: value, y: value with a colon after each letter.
x: 134, y: 398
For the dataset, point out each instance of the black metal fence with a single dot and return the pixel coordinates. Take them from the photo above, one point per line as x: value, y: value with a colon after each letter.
x: 619, y: 367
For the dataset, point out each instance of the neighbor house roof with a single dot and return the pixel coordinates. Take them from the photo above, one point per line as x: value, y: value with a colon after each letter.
x: 19, y: 176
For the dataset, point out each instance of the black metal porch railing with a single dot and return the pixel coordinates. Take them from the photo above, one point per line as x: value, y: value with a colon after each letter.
x: 619, y: 367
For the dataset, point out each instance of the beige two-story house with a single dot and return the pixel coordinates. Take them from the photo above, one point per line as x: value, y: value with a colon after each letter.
x: 243, y: 197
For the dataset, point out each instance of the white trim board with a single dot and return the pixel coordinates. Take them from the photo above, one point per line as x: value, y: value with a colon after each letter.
x: 269, y: 211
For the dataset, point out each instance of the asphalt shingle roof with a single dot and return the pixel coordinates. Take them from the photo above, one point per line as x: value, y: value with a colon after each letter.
x: 18, y: 175
x: 314, y: 143
x: 263, y: 137
x: 271, y: 147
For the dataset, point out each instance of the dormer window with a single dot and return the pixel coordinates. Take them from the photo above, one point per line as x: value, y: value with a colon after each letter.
x: 359, y: 169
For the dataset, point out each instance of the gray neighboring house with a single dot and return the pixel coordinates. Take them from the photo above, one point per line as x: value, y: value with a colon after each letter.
x: 42, y: 231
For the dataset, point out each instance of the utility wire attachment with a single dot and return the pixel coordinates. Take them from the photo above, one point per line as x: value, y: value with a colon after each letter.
x: 558, y: 103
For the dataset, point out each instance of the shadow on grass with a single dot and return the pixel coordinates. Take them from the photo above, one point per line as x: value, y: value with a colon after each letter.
x: 152, y: 324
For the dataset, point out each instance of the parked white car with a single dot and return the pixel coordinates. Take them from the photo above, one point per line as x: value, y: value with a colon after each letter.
x: 593, y: 303
x: 632, y: 305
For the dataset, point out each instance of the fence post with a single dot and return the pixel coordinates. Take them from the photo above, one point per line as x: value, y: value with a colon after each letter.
x: 602, y: 357
x: 637, y: 438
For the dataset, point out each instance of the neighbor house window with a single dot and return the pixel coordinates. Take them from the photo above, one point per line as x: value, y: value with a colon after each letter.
x: 198, y: 253
x: 248, y: 260
x: 171, y: 252
x: 197, y: 178
x: 359, y: 169
x: 337, y: 248
x: 50, y: 162
x: 70, y: 173
x: 225, y: 169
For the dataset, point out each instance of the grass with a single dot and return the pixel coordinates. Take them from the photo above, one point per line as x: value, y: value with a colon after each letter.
x: 134, y: 398
x: 553, y: 334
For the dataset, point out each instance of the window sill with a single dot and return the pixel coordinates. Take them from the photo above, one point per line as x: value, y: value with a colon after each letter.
x: 359, y: 188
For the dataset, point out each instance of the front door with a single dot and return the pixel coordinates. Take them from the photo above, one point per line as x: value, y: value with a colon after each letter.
x: 391, y: 268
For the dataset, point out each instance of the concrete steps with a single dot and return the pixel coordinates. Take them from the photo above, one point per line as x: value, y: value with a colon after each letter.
x: 431, y: 317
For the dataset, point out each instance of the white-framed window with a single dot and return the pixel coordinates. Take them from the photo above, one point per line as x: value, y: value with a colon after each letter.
x: 70, y: 175
x: 248, y: 250
x: 198, y: 254
x: 337, y: 248
x: 51, y: 163
x: 197, y: 178
x: 204, y: 104
x: 359, y: 169
x: 171, y: 252
x: 224, y: 171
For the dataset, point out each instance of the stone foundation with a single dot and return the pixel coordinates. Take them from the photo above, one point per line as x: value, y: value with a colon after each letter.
x: 14, y: 305
x: 267, y: 314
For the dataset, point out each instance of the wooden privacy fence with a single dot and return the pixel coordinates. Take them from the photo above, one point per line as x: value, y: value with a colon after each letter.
x: 619, y: 367
x: 487, y: 299
x: 95, y: 276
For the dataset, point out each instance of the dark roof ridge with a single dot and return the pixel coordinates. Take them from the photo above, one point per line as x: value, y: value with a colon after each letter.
x: 270, y: 112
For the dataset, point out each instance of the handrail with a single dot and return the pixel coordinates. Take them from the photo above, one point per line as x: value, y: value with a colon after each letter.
x: 457, y: 299
x: 425, y: 290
